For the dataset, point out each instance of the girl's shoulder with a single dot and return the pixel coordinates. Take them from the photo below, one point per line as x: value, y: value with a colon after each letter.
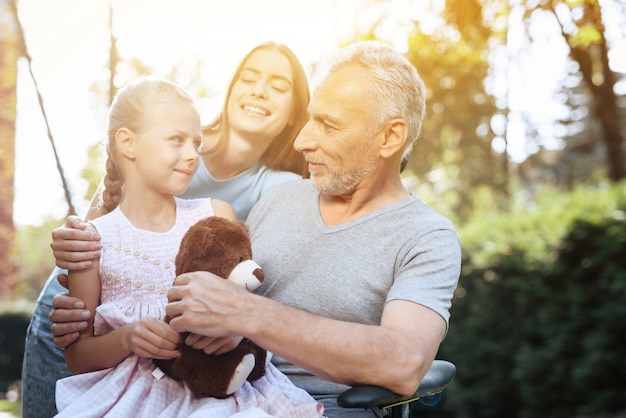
x: 223, y: 209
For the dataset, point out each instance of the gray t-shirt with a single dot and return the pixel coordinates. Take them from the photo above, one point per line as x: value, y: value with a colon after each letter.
x: 349, y: 271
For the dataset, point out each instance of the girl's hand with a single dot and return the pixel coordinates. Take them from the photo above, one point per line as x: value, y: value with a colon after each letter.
x: 212, y: 345
x: 153, y: 338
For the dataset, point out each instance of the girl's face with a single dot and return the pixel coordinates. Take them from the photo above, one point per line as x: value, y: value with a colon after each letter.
x: 261, y: 98
x: 166, y: 152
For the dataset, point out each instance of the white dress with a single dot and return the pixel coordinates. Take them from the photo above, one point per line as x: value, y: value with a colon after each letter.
x: 136, y: 269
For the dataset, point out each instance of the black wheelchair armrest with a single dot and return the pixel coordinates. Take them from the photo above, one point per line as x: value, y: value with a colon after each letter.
x: 435, y: 381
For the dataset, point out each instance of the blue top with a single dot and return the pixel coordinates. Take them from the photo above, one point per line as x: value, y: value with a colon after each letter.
x: 242, y: 191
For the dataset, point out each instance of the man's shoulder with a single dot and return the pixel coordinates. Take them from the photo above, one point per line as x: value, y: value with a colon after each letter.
x: 420, y: 215
x: 280, y: 198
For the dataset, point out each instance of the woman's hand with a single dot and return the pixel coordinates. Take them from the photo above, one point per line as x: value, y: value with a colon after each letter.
x: 74, y: 246
x: 68, y: 318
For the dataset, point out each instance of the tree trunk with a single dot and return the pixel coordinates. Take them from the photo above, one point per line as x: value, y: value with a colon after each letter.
x: 594, y: 66
x: 9, y: 53
x: 604, y: 103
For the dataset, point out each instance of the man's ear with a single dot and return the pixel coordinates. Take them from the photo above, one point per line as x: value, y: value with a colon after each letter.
x: 125, y: 140
x: 395, y: 137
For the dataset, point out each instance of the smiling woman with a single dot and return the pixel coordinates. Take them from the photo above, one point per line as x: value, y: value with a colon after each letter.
x: 202, y: 42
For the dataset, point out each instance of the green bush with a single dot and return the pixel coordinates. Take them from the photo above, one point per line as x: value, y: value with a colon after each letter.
x: 538, y: 323
x: 14, y: 320
x: 35, y: 260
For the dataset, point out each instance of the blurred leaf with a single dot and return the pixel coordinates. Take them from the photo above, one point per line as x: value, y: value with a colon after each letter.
x: 586, y: 35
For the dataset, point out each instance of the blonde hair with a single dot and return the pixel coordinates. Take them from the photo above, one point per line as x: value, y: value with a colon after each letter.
x: 280, y: 155
x: 131, y: 109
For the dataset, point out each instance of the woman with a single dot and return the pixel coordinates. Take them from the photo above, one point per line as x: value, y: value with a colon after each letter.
x: 245, y: 151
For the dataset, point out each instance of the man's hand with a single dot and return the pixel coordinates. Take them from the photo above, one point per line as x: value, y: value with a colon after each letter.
x: 74, y: 246
x: 68, y: 317
x: 207, y: 343
x: 205, y: 304
x: 212, y: 345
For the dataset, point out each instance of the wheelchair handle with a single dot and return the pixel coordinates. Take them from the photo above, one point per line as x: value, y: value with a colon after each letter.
x: 436, y: 380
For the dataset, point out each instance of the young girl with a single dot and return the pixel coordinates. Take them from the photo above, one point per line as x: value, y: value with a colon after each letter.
x: 154, y: 132
x: 247, y: 149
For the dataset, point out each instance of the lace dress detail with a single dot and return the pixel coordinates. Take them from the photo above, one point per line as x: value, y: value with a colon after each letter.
x: 137, y: 266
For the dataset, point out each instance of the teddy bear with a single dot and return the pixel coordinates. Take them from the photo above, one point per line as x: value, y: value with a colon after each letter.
x: 220, y: 246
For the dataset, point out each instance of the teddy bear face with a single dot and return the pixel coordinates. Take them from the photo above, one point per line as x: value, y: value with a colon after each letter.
x: 214, y: 244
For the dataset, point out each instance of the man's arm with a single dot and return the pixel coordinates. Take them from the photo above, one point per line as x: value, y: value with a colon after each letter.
x: 395, y: 354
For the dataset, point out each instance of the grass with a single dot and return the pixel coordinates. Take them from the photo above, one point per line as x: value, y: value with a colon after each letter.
x: 14, y: 408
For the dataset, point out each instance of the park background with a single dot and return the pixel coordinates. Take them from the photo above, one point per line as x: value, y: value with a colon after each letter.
x: 522, y: 147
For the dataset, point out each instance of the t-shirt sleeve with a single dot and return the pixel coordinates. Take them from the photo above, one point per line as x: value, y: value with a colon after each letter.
x: 428, y: 272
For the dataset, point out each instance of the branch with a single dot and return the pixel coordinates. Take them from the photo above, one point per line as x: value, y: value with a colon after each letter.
x: 24, y: 50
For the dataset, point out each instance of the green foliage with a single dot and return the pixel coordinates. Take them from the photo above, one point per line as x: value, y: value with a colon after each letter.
x: 11, y: 407
x: 93, y: 171
x: 538, y: 323
x: 35, y: 259
x: 586, y: 35
x: 453, y: 154
x: 535, y: 225
x: 14, y: 320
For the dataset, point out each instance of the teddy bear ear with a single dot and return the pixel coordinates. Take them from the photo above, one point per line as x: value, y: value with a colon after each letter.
x: 196, y: 243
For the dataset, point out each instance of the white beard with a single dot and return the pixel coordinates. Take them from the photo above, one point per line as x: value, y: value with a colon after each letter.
x: 339, y: 181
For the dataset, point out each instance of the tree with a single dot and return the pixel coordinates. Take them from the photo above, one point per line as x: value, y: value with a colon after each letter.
x: 582, y: 27
x: 449, y: 44
x: 9, y: 54
x: 464, y: 50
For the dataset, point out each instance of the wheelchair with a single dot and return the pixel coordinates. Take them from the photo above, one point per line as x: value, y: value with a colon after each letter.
x: 429, y: 393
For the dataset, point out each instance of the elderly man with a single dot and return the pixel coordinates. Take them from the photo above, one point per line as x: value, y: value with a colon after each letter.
x: 359, y: 272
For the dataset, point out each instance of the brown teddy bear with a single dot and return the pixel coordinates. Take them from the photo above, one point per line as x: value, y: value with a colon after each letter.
x: 222, y: 247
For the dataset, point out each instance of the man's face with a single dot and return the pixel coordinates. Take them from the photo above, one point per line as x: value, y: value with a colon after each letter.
x: 338, y: 140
